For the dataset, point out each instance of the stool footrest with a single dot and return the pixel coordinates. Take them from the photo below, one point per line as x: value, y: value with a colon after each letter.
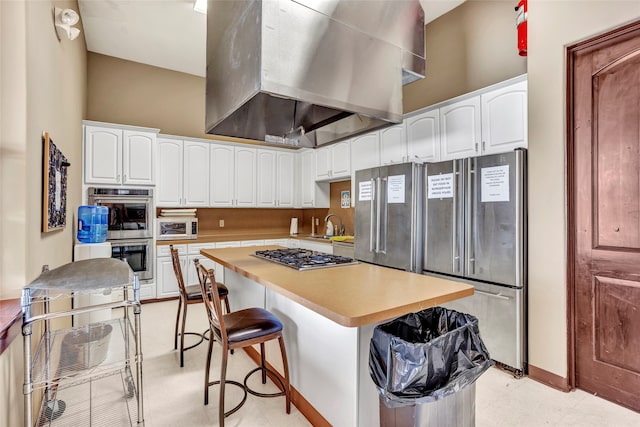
x: 237, y: 384
x: 202, y: 338
x: 274, y: 376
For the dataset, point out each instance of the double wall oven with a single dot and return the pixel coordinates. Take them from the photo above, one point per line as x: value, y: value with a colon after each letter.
x: 130, y: 228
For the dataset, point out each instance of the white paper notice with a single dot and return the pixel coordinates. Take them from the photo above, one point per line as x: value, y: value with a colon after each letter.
x: 395, y: 189
x: 440, y: 186
x: 365, y: 191
x: 494, y: 183
x: 58, y: 196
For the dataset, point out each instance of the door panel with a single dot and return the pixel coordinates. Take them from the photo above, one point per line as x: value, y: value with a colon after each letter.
x: 495, y: 222
x: 606, y: 200
x: 366, y: 217
x: 444, y: 231
x: 500, y: 313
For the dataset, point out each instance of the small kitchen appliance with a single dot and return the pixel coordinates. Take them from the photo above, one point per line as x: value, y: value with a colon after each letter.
x: 177, y: 228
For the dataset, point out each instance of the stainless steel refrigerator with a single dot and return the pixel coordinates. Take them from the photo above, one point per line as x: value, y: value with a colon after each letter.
x: 475, y: 230
x: 389, y: 217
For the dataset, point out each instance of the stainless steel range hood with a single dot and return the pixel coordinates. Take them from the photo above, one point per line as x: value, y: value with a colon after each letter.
x: 309, y: 72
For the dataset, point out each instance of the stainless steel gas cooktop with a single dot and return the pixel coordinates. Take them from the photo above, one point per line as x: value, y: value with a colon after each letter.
x: 303, y: 259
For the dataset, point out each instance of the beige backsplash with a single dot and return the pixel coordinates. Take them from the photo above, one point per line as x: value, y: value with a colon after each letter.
x: 264, y: 220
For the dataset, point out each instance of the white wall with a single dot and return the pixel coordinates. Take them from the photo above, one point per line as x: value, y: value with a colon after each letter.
x: 554, y: 25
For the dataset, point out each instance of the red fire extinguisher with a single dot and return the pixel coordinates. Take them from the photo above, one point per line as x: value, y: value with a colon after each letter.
x: 521, y: 25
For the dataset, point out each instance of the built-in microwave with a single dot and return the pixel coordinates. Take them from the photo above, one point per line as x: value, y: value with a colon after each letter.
x: 177, y: 228
x: 130, y: 211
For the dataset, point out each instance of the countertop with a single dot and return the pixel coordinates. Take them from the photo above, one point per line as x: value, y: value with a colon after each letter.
x: 352, y: 295
x: 207, y: 238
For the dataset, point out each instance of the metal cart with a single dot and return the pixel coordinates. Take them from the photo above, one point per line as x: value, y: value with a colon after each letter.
x: 91, y: 374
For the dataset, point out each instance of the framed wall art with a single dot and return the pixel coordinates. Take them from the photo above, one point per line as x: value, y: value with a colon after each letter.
x: 54, y: 186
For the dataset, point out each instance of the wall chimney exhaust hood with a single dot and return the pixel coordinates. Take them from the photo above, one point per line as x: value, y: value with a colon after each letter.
x: 309, y: 72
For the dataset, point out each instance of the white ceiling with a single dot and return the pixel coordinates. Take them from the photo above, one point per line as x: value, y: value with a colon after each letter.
x: 167, y: 33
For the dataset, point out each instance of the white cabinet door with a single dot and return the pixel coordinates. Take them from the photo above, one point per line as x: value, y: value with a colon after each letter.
x: 423, y: 136
x: 365, y: 152
x: 323, y: 163
x: 504, y: 119
x: 170, y: 173
x: 102, y: 155
x: 308, y: 178
x: 460, y: 129
x: 167, y: 285
x: 222, y: 175
x: 341, y: 159
x: 245, y: 177
x: 285, y: 180
x: 246, y: 243
x: 196, y: 174
x: 279, y: 242
x: 267, y: 176
x: 137, y: 159
x: 393, y: 145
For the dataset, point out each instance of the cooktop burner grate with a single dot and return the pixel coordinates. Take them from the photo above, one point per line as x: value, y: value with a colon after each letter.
x: 303, y: 259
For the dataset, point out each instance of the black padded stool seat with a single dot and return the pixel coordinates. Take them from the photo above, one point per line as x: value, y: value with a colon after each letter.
x: 249, y: 324
x: 194, y: 293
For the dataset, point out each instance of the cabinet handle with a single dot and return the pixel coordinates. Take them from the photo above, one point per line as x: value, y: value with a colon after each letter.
x: 484, y: 145
x: 476, y: 147
x: 124, y: 178
x: 118, y: 178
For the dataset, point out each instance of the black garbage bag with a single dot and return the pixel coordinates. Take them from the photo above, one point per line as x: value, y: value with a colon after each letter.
x: 425, y: 356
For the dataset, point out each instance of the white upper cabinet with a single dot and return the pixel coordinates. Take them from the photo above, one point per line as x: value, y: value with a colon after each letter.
x: 137, y: 157
x: 196, y: 173
x: 365, y: 152
x: 266, y: 183
x: 233, y: 176
x: 333, y: 162
x: 312, y: 194
x: 423, y: 136
x: 170, y: 174
x: 504, y: 118
x: 393, y: 145
x: 245, y: 177
x: 183, y: 173
x: 285, y: 180
x: 460, y: 129
x: 222, y: 175
x: 114, y: 155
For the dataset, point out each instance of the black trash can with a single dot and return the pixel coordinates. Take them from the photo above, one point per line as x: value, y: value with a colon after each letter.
x: 424, y: 366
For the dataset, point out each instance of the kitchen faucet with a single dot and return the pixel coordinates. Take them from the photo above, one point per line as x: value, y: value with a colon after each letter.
x: 326, y: 218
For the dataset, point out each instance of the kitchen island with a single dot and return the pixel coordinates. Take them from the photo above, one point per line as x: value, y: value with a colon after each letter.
x: 329, y: 315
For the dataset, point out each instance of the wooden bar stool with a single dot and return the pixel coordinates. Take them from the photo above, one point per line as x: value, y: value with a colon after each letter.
x: 239, y: 329
x: 190, y: 295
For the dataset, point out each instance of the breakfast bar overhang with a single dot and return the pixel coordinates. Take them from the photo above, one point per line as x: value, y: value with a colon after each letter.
x: 329, y: 315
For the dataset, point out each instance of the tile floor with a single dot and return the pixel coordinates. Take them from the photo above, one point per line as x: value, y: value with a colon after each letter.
x: 173, y: 396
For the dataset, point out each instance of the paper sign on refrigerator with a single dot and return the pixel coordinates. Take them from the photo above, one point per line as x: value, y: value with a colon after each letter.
x: 395, y: 189
x: 494, y: 184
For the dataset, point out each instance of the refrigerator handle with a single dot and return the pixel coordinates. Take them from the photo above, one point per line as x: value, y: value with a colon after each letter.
x: 378, y: 214
x: 383, y: 233
x: 371, y: 224
x: 455, y: 259
x: 519, y: 217
x: 470, y: 211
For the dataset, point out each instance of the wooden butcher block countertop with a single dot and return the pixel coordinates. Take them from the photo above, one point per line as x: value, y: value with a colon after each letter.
x: 351, y: 295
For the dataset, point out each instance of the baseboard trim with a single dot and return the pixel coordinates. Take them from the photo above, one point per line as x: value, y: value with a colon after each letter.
x: 305, y: 408
x: 549, y: 379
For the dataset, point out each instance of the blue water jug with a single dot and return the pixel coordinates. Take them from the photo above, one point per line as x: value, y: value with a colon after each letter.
x: 92, y: 224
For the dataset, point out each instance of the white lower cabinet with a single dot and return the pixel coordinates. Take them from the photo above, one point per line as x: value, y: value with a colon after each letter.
x: 327, y: 248
x: 279, y: 242
x: 166, y: 283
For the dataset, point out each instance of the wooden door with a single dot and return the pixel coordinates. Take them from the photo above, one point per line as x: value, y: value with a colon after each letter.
x: 605, y: 192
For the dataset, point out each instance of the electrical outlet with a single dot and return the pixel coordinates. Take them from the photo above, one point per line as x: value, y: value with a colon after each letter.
x: 222, y: 223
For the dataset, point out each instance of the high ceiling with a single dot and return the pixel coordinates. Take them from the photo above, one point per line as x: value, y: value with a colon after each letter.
x: 167, y: 33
